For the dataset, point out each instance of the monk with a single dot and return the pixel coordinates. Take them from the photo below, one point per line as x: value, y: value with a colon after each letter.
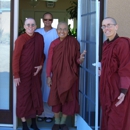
x: 115, y: 79
x: 28, y: 59
x: 63, y: 75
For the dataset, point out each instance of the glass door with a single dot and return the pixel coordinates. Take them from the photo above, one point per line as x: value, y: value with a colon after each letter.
x: 6, y: 33
x: 88, y: 36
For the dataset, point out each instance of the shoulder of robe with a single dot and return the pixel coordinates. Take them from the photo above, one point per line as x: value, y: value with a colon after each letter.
x: 123, y: 43
x: 124, y: 40
x: 21, y: 38
x: 38, y: 34
x: 56, y: 40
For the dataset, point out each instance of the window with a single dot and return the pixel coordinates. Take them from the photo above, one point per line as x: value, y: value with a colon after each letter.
x: 71, y: 23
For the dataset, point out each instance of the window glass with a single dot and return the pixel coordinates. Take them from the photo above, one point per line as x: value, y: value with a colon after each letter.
x: 4, y: 53
x: 71, y: 23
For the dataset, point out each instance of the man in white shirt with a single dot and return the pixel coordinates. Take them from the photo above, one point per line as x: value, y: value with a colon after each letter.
x: 49, y: 34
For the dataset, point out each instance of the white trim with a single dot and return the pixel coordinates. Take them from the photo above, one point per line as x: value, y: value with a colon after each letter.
x: 79, y: 21
x: 16, y: 17
x: 6, y: 125
x: 81, y: 124
x: 97, y: 61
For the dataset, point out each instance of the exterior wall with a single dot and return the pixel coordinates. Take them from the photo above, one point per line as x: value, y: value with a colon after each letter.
x: 120, y: 10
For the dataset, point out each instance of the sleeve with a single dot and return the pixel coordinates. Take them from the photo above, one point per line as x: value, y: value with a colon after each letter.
x: 16, y: 57
x: 124, y: 64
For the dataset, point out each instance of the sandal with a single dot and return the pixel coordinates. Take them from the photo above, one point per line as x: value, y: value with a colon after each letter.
x: 40, y: 119
x: 48, y: 119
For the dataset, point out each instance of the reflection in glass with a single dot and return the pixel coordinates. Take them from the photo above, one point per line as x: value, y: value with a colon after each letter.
x: 4, y: 53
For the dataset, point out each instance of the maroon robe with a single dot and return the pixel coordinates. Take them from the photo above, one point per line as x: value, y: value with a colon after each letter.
x: 115, y: 77
x: 28, y: 53
x: 65, y: 74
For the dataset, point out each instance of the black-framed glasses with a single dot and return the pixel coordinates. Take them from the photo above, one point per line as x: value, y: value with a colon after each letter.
x: 30, y: 25
x: 48, y: 20
x: 107, y: 26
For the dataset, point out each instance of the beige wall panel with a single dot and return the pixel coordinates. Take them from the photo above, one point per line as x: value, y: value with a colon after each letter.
x: 120, y: 10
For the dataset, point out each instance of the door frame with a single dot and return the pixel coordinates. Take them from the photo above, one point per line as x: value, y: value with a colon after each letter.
x: 15, y: 28
x: 80, y: 122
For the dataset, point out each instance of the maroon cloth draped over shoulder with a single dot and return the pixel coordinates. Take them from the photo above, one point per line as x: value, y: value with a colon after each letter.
x: 114, y: 76
x: 65, y: 71
x: 29, y: 95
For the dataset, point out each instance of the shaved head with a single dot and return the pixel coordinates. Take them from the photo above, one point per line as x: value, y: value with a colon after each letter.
x: 60, y: 23
x: 112, y: 19
x: 29, y: 19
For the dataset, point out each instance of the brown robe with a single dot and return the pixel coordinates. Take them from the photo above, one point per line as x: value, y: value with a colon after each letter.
x: 65, y: 73
x: 28, y: 53
x: 115, y: 77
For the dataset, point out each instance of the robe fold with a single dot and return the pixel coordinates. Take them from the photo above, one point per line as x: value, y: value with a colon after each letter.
x: 28, y: 53
x: 115, y: 75
x: 65, y: 72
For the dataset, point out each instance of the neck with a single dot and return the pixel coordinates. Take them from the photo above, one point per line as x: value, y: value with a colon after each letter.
x: 112, y: 37
x: 47, y: 28
x: 30, y: 34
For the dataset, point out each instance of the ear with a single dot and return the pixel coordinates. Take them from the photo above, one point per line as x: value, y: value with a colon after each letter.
x: 116, y: 27
x: 35, y: 26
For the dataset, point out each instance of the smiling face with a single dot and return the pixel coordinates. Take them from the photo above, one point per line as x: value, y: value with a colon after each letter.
x: 30, y: 26
x: 109, y: 28
x: 62, y: 30
x: 47, y: 20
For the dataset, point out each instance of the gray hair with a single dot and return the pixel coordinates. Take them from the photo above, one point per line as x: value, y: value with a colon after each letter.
x: 62, y: 22
x: 113, y: 20
x: 29, y: 19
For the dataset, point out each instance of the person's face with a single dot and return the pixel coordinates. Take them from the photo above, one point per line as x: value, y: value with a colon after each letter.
x: 47, y: 20
x: 109, y: 28
x: 30, y: 26
x: 62, y: 31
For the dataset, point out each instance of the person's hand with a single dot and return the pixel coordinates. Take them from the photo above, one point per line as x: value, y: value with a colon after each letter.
x: 38, y: 68
x: 17, y: 81
x: 82, y: 56
x: 49, y: 81
x: 120, y: 99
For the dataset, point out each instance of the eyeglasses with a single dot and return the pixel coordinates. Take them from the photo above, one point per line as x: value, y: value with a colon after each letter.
x: 107, y: 26
x: 60, y: 29
x: 48, y: 20
x: 30, y: 25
